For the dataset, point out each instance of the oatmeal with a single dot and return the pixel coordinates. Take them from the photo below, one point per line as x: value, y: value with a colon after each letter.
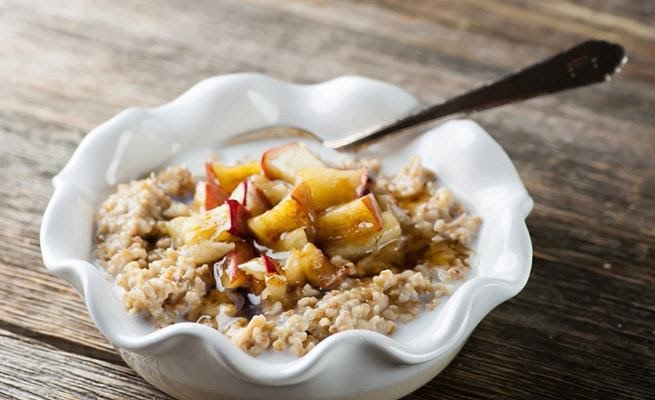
x: 284, y: 252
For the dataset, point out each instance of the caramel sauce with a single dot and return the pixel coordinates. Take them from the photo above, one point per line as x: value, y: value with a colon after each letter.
x: 444, y: 253
x: 412, y: 203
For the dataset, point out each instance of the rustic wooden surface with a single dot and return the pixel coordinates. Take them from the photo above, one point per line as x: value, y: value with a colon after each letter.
x: 584, y: 326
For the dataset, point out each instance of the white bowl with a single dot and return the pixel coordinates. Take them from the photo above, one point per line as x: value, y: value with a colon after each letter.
x: 192, y: 361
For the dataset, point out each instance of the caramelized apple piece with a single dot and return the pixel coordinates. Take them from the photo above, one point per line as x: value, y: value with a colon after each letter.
x: 211, y: 194
x: 259, y: 267
x: 276, y: 288
x: 331, y: 187
x: 251, y: 197
x: 295, y: 239
x: 293, y: 212
x: 355, y: 219
x: 224, y: 223
x: 284, y: 162
x: 256, y: 286
x: 274, y: 190
x: 270, y: 264
x: 294, y: 268
x: 208, y: 194
x: 206, y: 251
x: 353, y: 248
x: 227, y: 273
x: 318, y: 270
x: 214, y: 196
x: 311, y: 265
x: 254, y: 267
x: 230, y: 176
x: 207, y: 197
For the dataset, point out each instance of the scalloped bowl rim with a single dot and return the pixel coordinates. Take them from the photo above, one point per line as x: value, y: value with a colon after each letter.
x: 79, y: 272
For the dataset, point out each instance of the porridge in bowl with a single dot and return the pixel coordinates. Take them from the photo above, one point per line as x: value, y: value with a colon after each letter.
x: 283, y: 252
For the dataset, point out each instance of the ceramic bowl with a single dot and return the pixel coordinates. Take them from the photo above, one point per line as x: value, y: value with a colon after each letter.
x: 191, y: 361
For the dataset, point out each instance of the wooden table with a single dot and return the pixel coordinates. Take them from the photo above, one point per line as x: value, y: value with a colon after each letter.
x: 584, y: 327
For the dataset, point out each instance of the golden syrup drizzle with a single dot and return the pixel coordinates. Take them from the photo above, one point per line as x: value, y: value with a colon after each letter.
x: 444, y: 253
x: 412, y: 203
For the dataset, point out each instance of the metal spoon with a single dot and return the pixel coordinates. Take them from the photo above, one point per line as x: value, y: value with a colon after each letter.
x: 587, y: 63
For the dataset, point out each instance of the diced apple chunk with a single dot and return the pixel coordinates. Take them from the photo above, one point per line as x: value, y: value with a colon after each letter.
x: 207, y: 196
x: 295, y: 239
x: 311, y: 265
x: 259, y: 267
x: 234, y: 278
x: 210, y: 194
x: 227, y: 273
x: 251, y: 197
x: 294, y: 268
x: 318, y: 271
x: 254, y: 267
x: 293, y: 212
x: 276, y: 288
x: 274, y: 190
x: 230, y: 176
x: 331, y: 187
x: 353, y: 248
x: 355, y: 219
x: 270, y: 264
x: 206, y: 251
x: 221, y: 224
x: 284, y: 162
x: 256, y: 286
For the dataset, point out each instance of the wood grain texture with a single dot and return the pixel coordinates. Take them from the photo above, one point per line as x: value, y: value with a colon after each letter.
x: 582, y: 328
x: 33, y: 370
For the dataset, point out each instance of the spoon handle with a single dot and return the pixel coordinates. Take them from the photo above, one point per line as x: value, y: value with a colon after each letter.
x: 589, y: 62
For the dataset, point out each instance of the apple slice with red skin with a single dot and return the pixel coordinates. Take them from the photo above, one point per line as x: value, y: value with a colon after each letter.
x: 225, y: 223
x: 365, y: 182
x: 239, y: 215
x: 226, y: 271
x: 240, y: 193
x: 355, y: 219
x: 284, y: 162
x: 259, y: 267
x: 270, y: 264
x: 207, y: 196
x: 214, y: 194
x: 251, y: 197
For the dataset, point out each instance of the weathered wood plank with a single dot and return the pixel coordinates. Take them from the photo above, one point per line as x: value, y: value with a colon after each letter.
x: 31, y: 370
x: 34, y: 299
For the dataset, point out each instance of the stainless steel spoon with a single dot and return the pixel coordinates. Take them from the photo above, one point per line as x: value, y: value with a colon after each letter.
x: 587, y: 63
